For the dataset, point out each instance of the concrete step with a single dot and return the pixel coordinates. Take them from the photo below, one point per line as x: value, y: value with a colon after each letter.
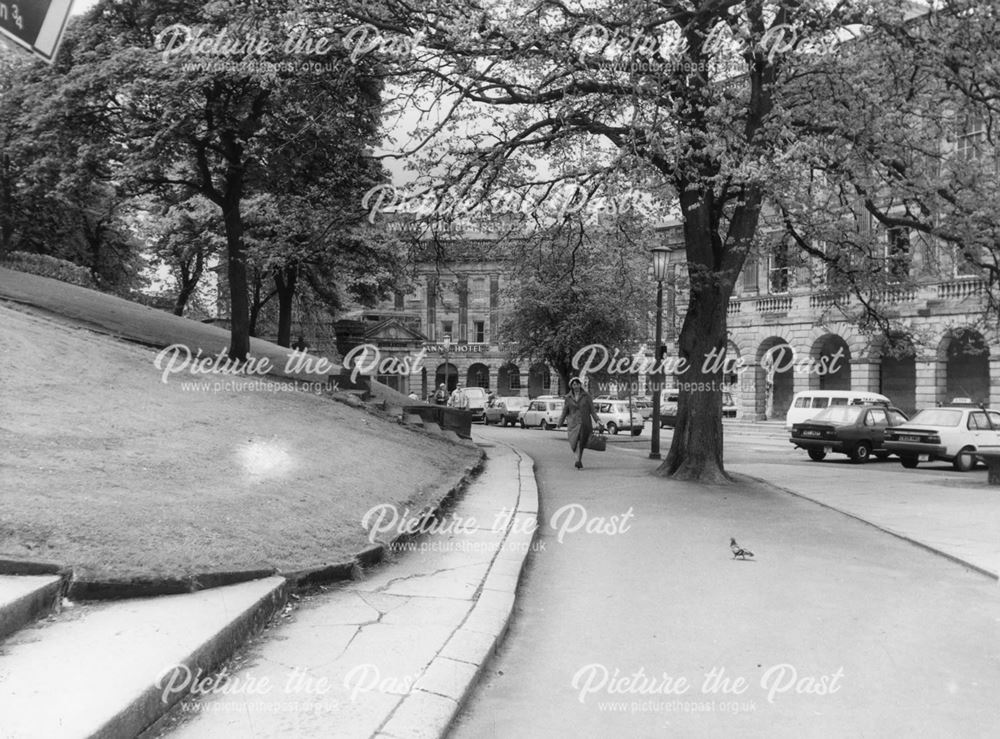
x: 24, y: 598
x: 113, y: 669
x: 392, y: 654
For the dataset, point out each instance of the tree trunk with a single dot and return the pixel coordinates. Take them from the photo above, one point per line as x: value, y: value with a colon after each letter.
x: 256, y: 303
x: 239, y: 302
x: 285, y: 280
x: 696, y: 449
x: 189, y: 278
x: 713, y: 266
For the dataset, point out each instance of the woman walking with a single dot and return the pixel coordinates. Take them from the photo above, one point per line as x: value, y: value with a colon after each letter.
x: 578, y: 409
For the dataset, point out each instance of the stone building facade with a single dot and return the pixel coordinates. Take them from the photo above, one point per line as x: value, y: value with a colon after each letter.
x: 953, y: 353
x: 452, y: 314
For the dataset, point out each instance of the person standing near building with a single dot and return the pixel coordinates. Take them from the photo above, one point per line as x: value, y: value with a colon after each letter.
x: 441, y: 395
x: 459, y: 399
x: 578, y: 410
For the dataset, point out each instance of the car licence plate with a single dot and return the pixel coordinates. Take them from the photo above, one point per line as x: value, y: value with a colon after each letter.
x: 909, y: 438
x: 810, y: 433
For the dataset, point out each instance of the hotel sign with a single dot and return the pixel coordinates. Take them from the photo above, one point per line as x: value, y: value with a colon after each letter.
x: 458, y: 348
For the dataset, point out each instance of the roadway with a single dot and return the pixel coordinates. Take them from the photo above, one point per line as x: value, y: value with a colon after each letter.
x: 633, y: 618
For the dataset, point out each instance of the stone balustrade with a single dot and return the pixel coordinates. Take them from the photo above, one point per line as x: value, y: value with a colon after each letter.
x: 951, y: 290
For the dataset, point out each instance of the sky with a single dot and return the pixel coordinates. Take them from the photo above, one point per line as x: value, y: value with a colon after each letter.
x: 82, y: 6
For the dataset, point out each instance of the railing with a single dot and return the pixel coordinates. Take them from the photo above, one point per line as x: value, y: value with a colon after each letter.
x: 960, y: 289
x: 898, y: 295
x: 825, y: 300
x: 773, y: 305
x: 952, y: 290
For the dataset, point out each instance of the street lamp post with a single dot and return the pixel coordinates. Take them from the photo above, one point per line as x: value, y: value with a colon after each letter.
x: 445, y: 343
x: 660, y: 259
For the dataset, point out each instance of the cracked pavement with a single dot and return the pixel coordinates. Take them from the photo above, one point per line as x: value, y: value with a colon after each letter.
x: 394, y: 653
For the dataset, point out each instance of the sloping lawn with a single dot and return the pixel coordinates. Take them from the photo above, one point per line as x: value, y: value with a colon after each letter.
x: 108, y: 469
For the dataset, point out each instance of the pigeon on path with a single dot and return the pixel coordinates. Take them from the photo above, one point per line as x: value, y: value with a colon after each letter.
x: 738, y: 551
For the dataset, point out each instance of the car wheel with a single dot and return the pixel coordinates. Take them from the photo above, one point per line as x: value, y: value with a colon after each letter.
x: 908, y: 462
x: 612, y: 428
x: 546, y: 426
x: 817, y: 455
x: 636, y: 432
x: 486, y: 420
x: 964, y: 461
x: 882, y: 455
x: 523, y: 424
x: 861, y: 453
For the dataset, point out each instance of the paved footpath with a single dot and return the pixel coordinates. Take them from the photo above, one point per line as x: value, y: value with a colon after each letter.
x: 654, y: 630
x: 956, y: 514
x: 394, y: 654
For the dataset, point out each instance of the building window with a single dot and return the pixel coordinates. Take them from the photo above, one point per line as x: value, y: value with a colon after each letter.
x: 546, y: 379
x: 479, y: 332
x: 514, y: 378
x: 750, y: 275
x: 969, y: 145
x: 778, y: 269
x: 446, y: 329
x: 897, y: 254
x: 964, y: 267
x: 479, y: 376
x: 479, y: 292
x: 863, y: 220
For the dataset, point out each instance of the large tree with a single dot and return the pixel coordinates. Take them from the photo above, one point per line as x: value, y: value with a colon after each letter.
x: 224, y: 122
x: 58, y: 195
x: 722, y: 107
x: 574, y: 286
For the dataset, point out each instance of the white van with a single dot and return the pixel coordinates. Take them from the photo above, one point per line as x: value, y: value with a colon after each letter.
x: 808, y: 403
x: 477, y: 398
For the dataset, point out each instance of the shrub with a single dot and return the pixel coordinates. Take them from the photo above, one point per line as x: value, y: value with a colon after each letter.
x: 49, y: 266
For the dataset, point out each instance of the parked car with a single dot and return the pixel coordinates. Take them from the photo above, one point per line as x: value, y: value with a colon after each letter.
x: 668, y: 409
x: 808, y: 403
x: 951, y: 433
x: 728, y: 406
x: 542, y: 412
x: 505, y: 411
x: 619, y: 415
x: 477, y: 398
x: 640, y: 405
x: 644, y: 406
x: 854, y: 430
x: 493, y: 411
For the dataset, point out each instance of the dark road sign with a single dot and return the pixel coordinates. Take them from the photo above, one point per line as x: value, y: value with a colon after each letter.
x: 35, y: 25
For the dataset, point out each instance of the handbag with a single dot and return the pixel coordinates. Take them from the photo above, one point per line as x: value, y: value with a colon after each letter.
x: 597, y: 442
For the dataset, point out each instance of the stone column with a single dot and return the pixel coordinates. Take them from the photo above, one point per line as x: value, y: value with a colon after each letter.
x: 751, y: 406
x: 431, y: 292
x: 494, y: 309
x: 994, y: 381
x: 927, y: 393
x: 865, y: 376
x: 802, y: 381
x: 463, y: 308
